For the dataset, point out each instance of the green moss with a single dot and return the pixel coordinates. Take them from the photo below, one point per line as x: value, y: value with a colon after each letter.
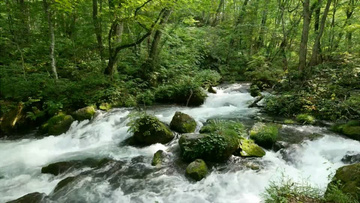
x: 85, y: 113
x: 289, y: 121
x: 351, y: 129
x: 158, y: 158
x: 58, y: 124
x: 182, y: 123
x: 197, y: 170
x: 149, y: 130
x: 264, y: 135
x: 105, y: 106
x: 305, y: 119
x: 347, y: 179
x: 250, y: 149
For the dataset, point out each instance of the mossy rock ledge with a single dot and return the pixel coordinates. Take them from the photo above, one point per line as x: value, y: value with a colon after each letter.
x: 350, y: 129
x: 58, y: 124
x: 150, y: 130
x: 247, y: 148
x: 182, y: 123
x: 210, y: 147
x: 347, y: 179
x: 85, y: 113
x: 197, y: 170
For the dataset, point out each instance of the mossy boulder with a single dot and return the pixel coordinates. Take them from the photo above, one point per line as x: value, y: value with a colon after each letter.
x: 213, y: 147
x: 247, y: 148
x: 57, y: 124
x: 182, y: 123
x: 61, y: 167
x: 347, y: 179
x: 351, y: 129
x: 85, y: 113
x: 197, y: 170
x: 255, y: 90
x: 305, y: 119
x: 264, y: 135
x: 35, y: 197
x: 149, y: 130
x: 158, y: 158
x: 197, y: 97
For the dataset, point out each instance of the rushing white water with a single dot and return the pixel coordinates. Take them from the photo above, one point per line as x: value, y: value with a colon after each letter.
x: 21, y: 160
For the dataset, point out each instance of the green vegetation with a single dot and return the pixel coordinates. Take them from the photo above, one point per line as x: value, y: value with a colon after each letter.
x: 350, y: 129
x: 287, y: 191
x: 264, y: 135
x: 305, y: 119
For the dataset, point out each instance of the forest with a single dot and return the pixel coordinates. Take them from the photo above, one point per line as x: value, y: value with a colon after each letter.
x: 63, y: 60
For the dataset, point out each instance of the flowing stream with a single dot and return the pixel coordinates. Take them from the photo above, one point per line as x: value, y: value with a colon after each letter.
x: 131, y: 178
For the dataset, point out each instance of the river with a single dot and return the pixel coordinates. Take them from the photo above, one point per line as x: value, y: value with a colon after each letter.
x: 135, y: 180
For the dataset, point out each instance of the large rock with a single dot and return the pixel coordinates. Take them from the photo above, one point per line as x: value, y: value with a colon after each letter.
x: 212, y: 147
x: 63, y: 183
x: 197, y: 170
x: 85, y: 113
x: 350, y: 129
x: 182, y: 123
x: 248, y: 148
x: 351, y: 157
x: 149, y: 130
x: 57, y: 124
x: 347, y: 179
x: 61, y: 167
x: 30, y: 198
x: 264, y: 135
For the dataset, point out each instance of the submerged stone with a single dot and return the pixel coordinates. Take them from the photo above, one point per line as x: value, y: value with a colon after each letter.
x: 197, y: 170
x: 35, y: 197
x: 182, y: 123
x: 64, y: 183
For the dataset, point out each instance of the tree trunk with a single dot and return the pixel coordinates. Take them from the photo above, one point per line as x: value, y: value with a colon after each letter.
x: 315, y: 57
x: 98, y: 29
x: 260, y: 41
x: 304, y: 36
x: 217, y: 15
x: 154, y: 50
x: 52, y: 37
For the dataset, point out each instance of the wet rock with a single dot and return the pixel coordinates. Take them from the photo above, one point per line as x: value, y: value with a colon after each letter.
x: 197, y: 170
x: 64, y: 183
x: 248, y: 148
x: 211, y: 147
x: 182, y: 123
x: 35, y: 197
x: 347, y: 179
x: 61, y: 167
x: 351, y: 158
x: 264, y: 135
x: 57, y: 124
x: 149, y: 130
x: 212, y: 90
x: 278, y: 145
x: 158, y: 158
x: 85, y: 113
x: 350, y: 129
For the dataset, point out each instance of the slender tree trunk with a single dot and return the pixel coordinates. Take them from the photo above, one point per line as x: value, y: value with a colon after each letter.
x: 52, y: 37
x: 317, y: 16
x: 154, y: 50
x: 315, y: 57
x: 217, y: 15
x: 98, y: 29
x: 260, y: 41
x: 304, y: 36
